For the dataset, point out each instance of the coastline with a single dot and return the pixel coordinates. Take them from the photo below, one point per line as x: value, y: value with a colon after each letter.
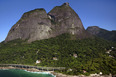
x: 54, y: 73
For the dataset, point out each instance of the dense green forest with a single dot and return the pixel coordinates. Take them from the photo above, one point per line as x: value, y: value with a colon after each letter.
x: 78, y: 56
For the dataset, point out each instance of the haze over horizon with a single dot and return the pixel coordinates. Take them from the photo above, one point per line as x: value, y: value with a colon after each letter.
x: 100, y: 13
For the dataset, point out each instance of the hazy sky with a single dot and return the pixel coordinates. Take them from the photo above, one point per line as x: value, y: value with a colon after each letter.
x: 100, y: 13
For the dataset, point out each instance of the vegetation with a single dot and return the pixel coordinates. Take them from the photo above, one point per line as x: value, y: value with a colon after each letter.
x: 78, y: 56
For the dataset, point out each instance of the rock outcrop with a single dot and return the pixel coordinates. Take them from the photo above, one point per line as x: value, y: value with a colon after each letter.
x: 102, y: 33
x: 37, y: 24
x: 67, y: 21
x: 33, y: 25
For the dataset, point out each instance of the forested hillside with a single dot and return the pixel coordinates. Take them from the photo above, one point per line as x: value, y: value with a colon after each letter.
x: 78, y: 56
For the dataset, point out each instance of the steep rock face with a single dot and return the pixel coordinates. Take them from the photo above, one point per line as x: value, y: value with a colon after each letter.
x: 99, y: 32
x: 33, y: 25
x: 37, y: 24
x: 67, y: 21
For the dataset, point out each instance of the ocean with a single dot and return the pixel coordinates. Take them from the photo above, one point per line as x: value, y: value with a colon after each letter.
x: 22, y: 73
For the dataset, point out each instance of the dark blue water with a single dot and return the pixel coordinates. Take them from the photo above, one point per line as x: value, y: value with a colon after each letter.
x: 22, y: 73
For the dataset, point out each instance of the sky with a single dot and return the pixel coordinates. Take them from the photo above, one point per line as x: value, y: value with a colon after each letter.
x: 100, y: 13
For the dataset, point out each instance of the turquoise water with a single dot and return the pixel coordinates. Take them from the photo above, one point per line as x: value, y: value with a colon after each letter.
x: 22, y: 73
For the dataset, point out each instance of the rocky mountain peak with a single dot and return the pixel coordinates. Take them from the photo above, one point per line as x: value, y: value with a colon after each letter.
x: 35, y: 12
x: 37, y: 24
x: 66, y: 17
x: 102, y: 33
x: 96, y: 29
x: 66, y: 4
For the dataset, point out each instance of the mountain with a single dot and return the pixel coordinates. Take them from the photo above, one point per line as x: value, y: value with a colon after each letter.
x: 99, y: 32
x: 37, y: 24
x: 50, y: 36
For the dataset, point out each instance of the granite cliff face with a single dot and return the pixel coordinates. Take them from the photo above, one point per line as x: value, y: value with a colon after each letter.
x: 102, y: 33
x: 67, y: 21
x: 33, y: 25
x: 37, y: 24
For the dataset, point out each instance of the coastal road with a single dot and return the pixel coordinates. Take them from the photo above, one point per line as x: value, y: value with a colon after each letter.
x: 36, y: 67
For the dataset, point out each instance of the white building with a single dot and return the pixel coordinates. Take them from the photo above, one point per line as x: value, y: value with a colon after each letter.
x: 38, y: 61
x: 108, y: 52
x: 55, y: 58
x: 112, y: 47
x: 100, y: 73
x: 70, y: 70
x: 75, y: 55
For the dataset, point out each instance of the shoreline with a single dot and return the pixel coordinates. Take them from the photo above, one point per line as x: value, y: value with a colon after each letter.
x: 54, y: 73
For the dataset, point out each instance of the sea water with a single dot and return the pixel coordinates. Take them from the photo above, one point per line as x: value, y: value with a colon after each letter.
x: 22, y: 73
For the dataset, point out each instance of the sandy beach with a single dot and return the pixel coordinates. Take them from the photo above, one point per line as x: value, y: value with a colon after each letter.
x: 56, y: 74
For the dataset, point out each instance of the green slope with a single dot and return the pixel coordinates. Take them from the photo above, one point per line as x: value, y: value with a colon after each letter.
x: 91, y: 54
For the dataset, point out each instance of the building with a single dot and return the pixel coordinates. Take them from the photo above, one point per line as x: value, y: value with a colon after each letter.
x: 55, y: 58
x: 38, y: 61
x: 75, y: 55
x: 108, y: 52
